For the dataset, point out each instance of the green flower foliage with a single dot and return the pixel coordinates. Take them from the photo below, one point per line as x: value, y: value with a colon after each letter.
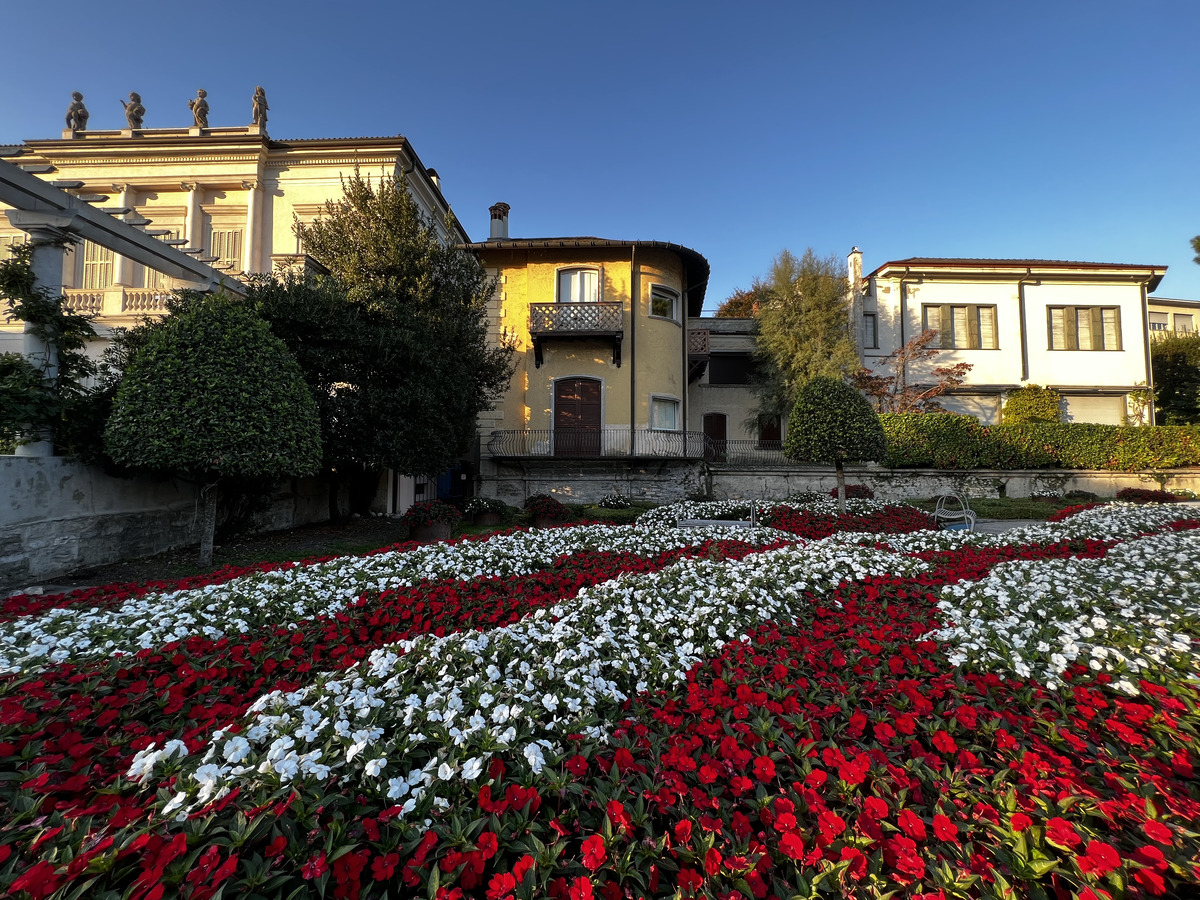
x: 1032, y: 403
x: 946, y: 441
x: 211, y: 394
x: 833, y: 423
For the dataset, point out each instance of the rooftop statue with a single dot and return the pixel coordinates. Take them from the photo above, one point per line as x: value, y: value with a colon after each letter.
x: 77, y: 114
x: 259, y: 114
x: 134, y: 111
x: 199, y: 108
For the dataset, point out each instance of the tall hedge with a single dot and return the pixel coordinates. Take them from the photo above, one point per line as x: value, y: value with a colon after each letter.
x: 948, y: 441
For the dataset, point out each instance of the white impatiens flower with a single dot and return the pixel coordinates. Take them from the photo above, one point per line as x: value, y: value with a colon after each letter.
x: 375, y: 766
x: 472, y: 768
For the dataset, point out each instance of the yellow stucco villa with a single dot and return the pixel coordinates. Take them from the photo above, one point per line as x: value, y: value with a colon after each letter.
x: 603, y: 355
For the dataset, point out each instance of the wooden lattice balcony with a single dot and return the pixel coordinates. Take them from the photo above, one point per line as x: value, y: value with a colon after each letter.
x: 575, y: 321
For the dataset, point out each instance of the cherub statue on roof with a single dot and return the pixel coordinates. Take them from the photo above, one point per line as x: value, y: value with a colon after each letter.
x: 199, y: 108
x: 77, y: 114
x: 259, y: 114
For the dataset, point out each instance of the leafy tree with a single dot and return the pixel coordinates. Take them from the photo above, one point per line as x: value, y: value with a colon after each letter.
x: 895, y: 393
x: 34, y: 399
x: 1175, y: 362
x: 833, y: 423
x: 803, y: 328
x: 1031, y: 403
x: 394, y: 345
x: 1196, y: 247
x: 212, y: 395
x: 742, y: 304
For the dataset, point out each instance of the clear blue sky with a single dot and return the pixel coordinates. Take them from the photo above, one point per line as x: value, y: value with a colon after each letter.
x: 1055, y: 130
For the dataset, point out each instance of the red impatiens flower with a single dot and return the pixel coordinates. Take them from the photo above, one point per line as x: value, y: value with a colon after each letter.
x: 858, y: 863
x: 315, y: 867
x: 523, y: 865
x: 1062, y: 834
x: 581, y: 889
x: 911, y: 824
x: 487, y: 844
x: 791, y: 845
x: 683, y: 831
x: 594, y: 853
x: 501, y: 886
x: 943, y: 742
x: 1157, y: 831
x: 1099, y: 859
x: 944, y: 829
x: 1019, y: 822
x: 712, y: 861
x: 383, y: 867
x: 690, y: 881
x: 764, y: 768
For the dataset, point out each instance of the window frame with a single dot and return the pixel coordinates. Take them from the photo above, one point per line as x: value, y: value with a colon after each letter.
x: 561, y: 270
x: 670, y: 293
x: 676, y: 405
x: 871, y: 333
x: 974, y: 330
x: 1095, y: 327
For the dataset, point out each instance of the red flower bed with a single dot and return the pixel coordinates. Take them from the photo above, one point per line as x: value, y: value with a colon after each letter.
x: 814, y: 526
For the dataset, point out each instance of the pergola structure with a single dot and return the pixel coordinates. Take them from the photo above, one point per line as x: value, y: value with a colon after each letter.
x: 55, y: 219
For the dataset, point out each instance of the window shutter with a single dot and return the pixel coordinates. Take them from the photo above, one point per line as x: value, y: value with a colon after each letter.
x: 1096, y: 328
x: 933, y: 322
x: 1057, y: 329
x: 1112, y: 328
x: 987, y: 327
x: 973, y: 331
x: 946, y: 331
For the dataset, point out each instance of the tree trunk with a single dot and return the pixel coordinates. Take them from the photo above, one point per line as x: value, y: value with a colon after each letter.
x: 841, y: 486
x: 208, y: 524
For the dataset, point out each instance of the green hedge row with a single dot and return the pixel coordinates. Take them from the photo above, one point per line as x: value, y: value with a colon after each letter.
x: 948, y: 441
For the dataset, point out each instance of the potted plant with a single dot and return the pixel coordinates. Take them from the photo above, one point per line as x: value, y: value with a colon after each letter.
x: 432, y: 520
x: 486, y: 511
x: 546, y: 511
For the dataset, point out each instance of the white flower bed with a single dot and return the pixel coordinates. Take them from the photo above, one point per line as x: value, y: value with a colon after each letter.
x: 432, y: 710
x: 263, y: 599
x: 1134, y: 611
x: 671, y: 515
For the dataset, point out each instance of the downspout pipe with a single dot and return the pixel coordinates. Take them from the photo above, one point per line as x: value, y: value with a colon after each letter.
x: 1024, y: 324
x: 1146, y: 347
x: 635, y: 306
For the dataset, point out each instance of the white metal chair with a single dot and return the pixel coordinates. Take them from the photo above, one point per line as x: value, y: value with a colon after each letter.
x: 953, y: 513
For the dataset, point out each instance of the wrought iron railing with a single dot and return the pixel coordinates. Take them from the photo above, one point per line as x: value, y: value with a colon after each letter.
x: 574, y: 318
x: 591, y: 443
x: 746, y: 453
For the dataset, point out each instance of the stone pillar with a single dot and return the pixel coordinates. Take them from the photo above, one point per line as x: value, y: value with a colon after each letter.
x: 252, y: 237
x: 122, y: 266
x: 193, y: 227
x: 49, y: 234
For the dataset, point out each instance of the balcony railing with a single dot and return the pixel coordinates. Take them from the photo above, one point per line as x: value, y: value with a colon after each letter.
x: 613, y: 442
x: 746, y: 453
x: 573, y: 321
x: 116, y: 301
x: 698, y: 344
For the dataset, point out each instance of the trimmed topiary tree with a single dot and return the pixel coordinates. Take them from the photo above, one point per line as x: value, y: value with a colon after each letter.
x: 1032, y: 403
x: 833, y: 423
x: 212, y: 394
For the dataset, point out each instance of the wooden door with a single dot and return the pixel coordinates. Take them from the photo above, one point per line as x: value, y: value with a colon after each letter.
x: 716, y: 433
x: 577, y: 417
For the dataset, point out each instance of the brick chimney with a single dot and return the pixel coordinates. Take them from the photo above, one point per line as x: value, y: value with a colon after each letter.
x: 499, y: 222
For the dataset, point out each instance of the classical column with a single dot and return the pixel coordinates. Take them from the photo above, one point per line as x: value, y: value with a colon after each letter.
x: 252, y: 238
x: 49, y: 233
x: 123, y: 267
x: 193, y: 225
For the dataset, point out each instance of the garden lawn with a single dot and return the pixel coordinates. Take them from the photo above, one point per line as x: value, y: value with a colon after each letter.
x: 848, y: 705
